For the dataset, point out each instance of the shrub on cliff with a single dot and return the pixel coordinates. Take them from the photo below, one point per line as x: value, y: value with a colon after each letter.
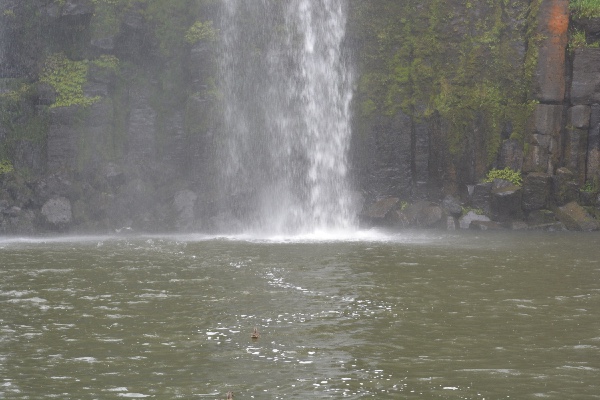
x: 585, y: 8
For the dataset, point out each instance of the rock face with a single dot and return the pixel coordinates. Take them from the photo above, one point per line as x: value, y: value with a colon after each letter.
x: 57, y: 212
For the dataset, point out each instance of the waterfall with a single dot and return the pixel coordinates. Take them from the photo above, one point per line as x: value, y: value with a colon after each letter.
x: 286, y: 89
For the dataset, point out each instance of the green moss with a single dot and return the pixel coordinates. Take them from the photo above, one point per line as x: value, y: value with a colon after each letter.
x: 201, y: 31
x: 67, y: 77
x: 507, y: 174
x: 6, y: 167
x: 585, y: 8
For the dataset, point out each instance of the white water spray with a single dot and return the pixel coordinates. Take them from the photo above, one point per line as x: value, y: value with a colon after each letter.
x: 286, y: 89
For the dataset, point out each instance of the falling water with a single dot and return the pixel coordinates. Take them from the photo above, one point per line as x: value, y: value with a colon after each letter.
x: 286, y: 88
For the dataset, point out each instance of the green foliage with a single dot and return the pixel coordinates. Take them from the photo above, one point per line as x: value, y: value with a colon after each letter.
x: 578, y: 40
x: 590, y: 186
x: 107, y: 62
x: 585, y: 8
x: 507, y: 174
x: 201, y: 31
x: 6, y: 167
x: 478, y: 211
x: 436, y: 61
x: 67, y: 77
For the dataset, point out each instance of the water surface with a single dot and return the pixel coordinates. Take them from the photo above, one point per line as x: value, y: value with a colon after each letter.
x: 413, y: 315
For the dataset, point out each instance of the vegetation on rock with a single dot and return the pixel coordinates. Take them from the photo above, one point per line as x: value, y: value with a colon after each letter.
x: 67, y: 77
x: 506, y: 174
x: 585, y: 8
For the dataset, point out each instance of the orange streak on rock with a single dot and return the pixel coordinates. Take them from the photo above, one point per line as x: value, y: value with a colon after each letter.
x: 559, y: 19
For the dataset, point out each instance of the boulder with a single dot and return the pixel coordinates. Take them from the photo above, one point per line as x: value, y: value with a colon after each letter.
x: 382, y: 212
x: 452, y: 206
x: 424, y: 214
x: 466, y: 220
x: 57, y: 212
x: 576, y: 218
x: 536, y: 191
x: 506, y: 203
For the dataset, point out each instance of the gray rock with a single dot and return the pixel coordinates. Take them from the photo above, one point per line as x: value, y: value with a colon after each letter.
x: 511, y: 155
x: 541, y: 217
x: 506, y: 203
x: 579, y: 116
x: 586, y: 80
x: 593, y: 152
x: 466, y: 220
x: 588, y: 198
x: 452, y: 206
x: 77, y: 7
x: 536, y: 191
x: 57, y: 211
x: 481, y: 197
x: 564, y: 186
x: 382, y: 211
x: 576, y: 218
x: 575, y: 152
x: 424, y: 214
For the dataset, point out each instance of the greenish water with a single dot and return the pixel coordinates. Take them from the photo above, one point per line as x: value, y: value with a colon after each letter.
x: 414, y: 315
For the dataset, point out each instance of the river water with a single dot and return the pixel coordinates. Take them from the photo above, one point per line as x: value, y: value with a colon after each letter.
x: 429, y: 315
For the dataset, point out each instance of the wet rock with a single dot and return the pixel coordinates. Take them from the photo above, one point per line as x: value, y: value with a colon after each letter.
x: 586, y: 80
x: 114, y: 175
x: 486, y: 226
x: 452, y: 206
x: 451, y: 223
x: 466, y: 220
x: 511, y: 155
x: 536, y: 191
x: 541, y: 217
x: 593, y: 153
x: 591, y: 26
x: 587, y: 198
x: 575, y: 152
x: 77, y: 7
x: 424, y: 214
x: 57, y: 212
x: 576, y: 218
x: 564, y: 186
x: 46, y: 94
x: 552, y: 25
x: 481, y: 197
x: 579, y: 116
x: 506, y: 202
x: 382, y: 212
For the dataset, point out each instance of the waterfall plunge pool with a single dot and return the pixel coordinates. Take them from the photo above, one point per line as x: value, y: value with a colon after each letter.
x: 413, y: 315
